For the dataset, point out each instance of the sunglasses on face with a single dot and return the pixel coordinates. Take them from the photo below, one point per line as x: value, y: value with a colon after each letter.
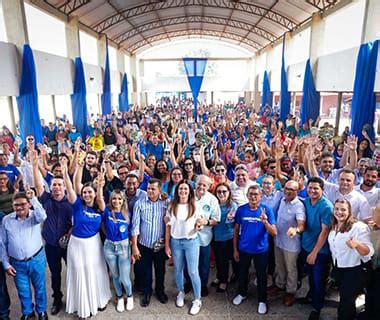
x: 222, y: 192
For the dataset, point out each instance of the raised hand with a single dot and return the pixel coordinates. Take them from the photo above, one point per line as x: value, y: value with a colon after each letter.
x: 263, y: 216
x: 29, y: 192
x: 352, y: 142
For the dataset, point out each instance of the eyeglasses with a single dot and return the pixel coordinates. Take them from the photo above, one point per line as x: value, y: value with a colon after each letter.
x: 124, y: 172
x: 220, y: 170
x: 272, y: 167
x: 20, y: 205
x: 222, y: 192
x: 188, y: 164
x: 253, y: 195
x: 30, y: 139
x: 176, y: 174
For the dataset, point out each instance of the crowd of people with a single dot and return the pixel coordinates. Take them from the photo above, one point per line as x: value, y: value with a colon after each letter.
x: 154, y: 186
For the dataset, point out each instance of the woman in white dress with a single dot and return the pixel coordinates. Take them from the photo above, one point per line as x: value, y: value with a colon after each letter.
x: 88, y: 289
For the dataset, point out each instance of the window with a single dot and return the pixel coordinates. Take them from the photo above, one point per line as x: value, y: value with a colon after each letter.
x: 88, y: 48
x: 46, y: 33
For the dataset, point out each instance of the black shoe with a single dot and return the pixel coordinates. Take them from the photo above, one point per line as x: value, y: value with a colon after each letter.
x: 304, y: 300
x: 5, y: 318
x: 56, y: 307
x: 314, y: 315
x: 102, y: 309
x: 43, y: 316
x: 187, y: 287
x: 145, y: 300
x: 28, y: 316
x: 162, y: 297
x: 204, y: 292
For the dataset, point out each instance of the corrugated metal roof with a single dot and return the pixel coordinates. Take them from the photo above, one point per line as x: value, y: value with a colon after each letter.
x: 136, y: 25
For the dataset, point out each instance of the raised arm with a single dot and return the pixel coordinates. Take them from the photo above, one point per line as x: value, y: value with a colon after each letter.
x: 71, y: 195
x: 33, y: 156
x: 78, y: 176
x: 204, y: 168
x: 99, y: 184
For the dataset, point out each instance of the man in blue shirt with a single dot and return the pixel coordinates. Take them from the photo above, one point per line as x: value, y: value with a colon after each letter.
x: 14, y: 175
x: 315, y: 251
x: 5, y: 302
x: 254, y: 222
x: 58, y: 224
x: 154, y: 147
x: 22, y: 253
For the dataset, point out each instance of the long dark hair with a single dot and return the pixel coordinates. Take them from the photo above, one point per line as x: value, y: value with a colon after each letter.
x: 89, y: 184
x: 347, y: 225
x: 226, y: 185
x: 171, y: 183
x: 157, y: 174
x: 191, y: 201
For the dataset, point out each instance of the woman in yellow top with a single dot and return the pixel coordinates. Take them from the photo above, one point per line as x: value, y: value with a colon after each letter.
x: 96, y: 141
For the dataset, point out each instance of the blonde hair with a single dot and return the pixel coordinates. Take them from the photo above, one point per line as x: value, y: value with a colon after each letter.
x: 124, y: 206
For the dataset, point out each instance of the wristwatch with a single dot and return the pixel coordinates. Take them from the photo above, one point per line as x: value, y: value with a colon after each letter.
x: 208, y: 223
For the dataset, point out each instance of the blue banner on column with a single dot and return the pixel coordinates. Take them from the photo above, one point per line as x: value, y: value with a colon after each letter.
x: 123, y: 96
x: 267, y: 97
x: 27, y: 101
x: 310, y: 103
x: 78, y: 100
x: 106, y: 96
x: 284, y: 94
x: 195, y: 70
x: 364, y: 100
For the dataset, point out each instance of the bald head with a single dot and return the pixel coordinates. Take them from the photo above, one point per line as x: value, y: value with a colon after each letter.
x: 291, y: 190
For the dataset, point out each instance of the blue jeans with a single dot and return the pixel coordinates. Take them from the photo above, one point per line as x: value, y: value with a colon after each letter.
x: 186, y: 251
x: 317, y: 274
x: 204, y: 264
x: 31, y: 271
x: 118, y: 258
x: 4, y: 296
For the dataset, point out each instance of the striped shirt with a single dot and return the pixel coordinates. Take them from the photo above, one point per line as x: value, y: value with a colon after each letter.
x: 148, y: 221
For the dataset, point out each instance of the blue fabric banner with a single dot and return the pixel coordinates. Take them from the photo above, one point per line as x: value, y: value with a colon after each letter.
x: 123, y: 96
x: 364, y: 100
x: 284, y: 94
x: 310, y: 103
x: 195, y: 70
x: 266, y: 94
x: 27, y: 101
x: 106, y: 96
x: 78, y: 100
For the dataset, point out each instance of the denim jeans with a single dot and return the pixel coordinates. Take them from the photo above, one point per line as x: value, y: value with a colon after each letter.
x: 54, y: 256
x: 317, y: 274
x: 118, y: 258
x: 261, y: 264
x: 31, y: 271
x: 4, y: 296
x: 186, y: 251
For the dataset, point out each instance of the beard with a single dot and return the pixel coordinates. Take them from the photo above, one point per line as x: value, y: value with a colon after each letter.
x: 369, y: 183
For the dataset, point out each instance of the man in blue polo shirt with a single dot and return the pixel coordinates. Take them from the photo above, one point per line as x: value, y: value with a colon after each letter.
x: 254, y: 222
x: 315, y: 251
x: 14, y: 175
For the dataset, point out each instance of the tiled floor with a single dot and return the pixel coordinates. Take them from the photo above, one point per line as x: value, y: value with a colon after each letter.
x: 216, y: 306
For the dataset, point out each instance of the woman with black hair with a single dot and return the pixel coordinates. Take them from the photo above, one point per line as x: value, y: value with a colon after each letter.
x: 351, y: 249
x: 161, y: 171
x: 87, y: 279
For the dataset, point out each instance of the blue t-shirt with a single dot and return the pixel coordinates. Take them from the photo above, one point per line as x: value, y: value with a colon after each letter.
x: 253, y: 235
x: 224, y: 230
x: 86, y: 222
x: 116, y: 230
x: 11, y: 171
x: 316, y: 215
x: 157, y: 150
x: 73, y: 136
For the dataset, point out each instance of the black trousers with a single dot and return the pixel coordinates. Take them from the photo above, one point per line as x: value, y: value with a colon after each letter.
x: 4, y: 296
x: 261, y: 264
x: 372, y: 294
x: 158, y: 259
x: 223, y: 255
x: 54, y: 256
x: 351, y: 283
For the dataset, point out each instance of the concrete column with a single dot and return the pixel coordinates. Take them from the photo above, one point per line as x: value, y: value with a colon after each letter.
x: 338, y: 112
x: 54, y: 107
x: 371, y: 17
x: 133, y: 79
x: 15, y: 22
x: 120, y: 61
x: 12, y: 114
x: 316, y: 40
x: 102, y: 43
x: 139, y: 90
x: 72, y: 38
x: 257, y: 94
x: 294, y: 102
x: 212, y: 97
x: 248, y: 97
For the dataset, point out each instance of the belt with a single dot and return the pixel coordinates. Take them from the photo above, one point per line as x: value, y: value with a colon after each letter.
x: 30, y: 258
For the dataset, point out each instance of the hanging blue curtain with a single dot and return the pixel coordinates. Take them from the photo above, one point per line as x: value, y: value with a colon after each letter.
x: 364, y: 100
x: 78, y: 100
x: 284, y: 94
x: 267, y: 97
x: 123, y: 96
x: 27, y: 101
x: 310, y: 103
x: 106, y: 96
x: 195, y: 70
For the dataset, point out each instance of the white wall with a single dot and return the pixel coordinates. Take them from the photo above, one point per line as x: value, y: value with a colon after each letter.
x: 9, y: 75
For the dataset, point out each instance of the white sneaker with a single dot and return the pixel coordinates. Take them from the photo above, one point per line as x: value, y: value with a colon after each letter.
x: 262, y: 309
x: 196, y: 307
x: 180, y: 301
x: 238, y: 300
x: 130, y: 304
x: 120, y: 305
